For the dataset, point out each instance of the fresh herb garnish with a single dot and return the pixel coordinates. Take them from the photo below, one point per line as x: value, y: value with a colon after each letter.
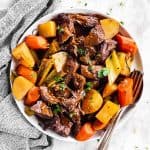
x: 60, y: 29
x: 103, y: 72
x: 88, y: 86
x: 85, y: 4
x: 58, y: 78
x: 71, y: 114
x: 81, y: 51
x: 110, y: 10
x: 121, y: 4
x: 108, y: 13
x: 90, y: 68
x: 62, y: 86
x: 121, y: 22
x: 98, y: 140
x: 57, y: 109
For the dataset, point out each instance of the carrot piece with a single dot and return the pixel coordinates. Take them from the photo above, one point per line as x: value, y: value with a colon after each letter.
x: 125, y: 92
x: 36, y: 42
x: 126, y: 44
x: 32, y: 96
x: 85, y: 132
x: 27, y: 73
x: 97, y: 125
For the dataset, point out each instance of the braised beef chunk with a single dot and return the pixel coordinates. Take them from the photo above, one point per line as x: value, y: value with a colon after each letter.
x: 72, y: 102
x: 76, y: 128
x: 85, y: 21
x: 61, y: 125
x: 90, y: 72
x: 48, y: 96
x: 62, y: 18
x: 60, y: 90
x: 95, y: 37
x: 91, y: 51
x: 71, y: 65
x: 42, y: 110
x: 65, y: 28
x: 104, y: 50
x: 79, y: 81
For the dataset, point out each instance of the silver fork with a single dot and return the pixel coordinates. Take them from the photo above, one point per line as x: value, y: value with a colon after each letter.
x: 137, y: 77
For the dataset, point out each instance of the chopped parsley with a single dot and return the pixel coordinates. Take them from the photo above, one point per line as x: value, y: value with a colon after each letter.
x: 60, y: 29
x: 121, y: 4
x: 71, y: 114
x: 98, y: 140
x: 90, y: 68
x: 81, y: 51
x: 85, y: 4
x: 57, y: 109
x: 58, y: 78
x: 88, y: 86
x: 108, y: 13
x: 103, y: 72
x: 121, y: 22
x: 62, y: 86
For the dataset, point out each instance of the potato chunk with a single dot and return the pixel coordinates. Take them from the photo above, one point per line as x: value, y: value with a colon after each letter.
x: 47, y: 29
x: 92, y: 102
x: 109, y: 89
x: 23, y: 55
x: 110, y: 27
x: 59, y: 60
x: 20, y: 87
x: 107, y: 112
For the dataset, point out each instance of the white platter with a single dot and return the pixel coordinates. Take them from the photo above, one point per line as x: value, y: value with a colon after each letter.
x: 137, y: 64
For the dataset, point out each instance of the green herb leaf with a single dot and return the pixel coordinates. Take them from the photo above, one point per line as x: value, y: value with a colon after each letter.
x: 121, y: 4
x: 88, y: 86
x: 85, y: 4
x: 103, y: 72
x: 121, y: 22
x: 62, y: 86
x: 71, y: 114
x: 60, y: 29
x: 81, y: 51
x: 58, y: 78
x: 57, y: 109
x: 90, y: 68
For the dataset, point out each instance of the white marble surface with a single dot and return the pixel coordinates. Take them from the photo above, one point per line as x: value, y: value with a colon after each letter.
x: 134, y: 134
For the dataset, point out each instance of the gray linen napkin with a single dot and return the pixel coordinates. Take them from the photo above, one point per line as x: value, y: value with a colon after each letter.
x: 15, y: 132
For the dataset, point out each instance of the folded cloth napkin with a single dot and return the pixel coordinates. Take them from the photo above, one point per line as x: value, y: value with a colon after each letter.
x: 15, y: 132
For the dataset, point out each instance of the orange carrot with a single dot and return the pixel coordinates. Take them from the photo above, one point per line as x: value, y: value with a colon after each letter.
x: 32, y: 96
x: 126, y: 44
x: 125, y: 92
x: 26, y: 72
x: 36, y: 42
x: 85, y: 132
x: 97, y: 125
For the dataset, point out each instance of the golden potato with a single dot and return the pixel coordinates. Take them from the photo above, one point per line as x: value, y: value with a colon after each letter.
x: 109, y: 89
x: 59, y: 60
x: 20, y: 87
x: 107, y: 112
x: 92, y: 102
x: 23, y: 54
x: 110, y: 27
x: 47, y: 29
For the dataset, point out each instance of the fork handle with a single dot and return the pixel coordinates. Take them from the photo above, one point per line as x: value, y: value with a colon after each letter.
x: 107, y: 135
